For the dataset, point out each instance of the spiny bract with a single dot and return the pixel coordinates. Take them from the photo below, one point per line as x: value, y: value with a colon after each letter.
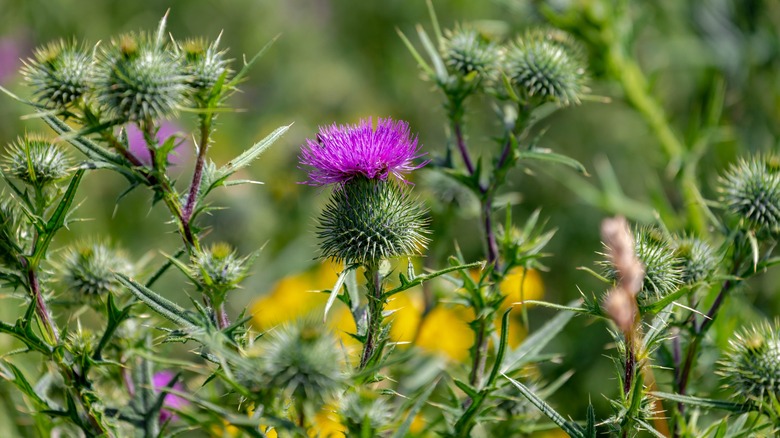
x: 367, y: 221
x: 204, y: 63
x: 545, y: 65
x: 750, y: 190
x: 138, y: 79
x: 36, y: 161
x: 88, y: 268
x: 751, y: 367
x: 59, y: 73
x: 467, y: 52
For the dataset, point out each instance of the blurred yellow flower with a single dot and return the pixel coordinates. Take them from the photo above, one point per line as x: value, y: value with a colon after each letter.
x: 521, y: 284
x: 445, y: 330
x: 407, y: 310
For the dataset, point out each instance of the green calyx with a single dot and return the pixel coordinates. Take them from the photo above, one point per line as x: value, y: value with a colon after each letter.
x: 138, y: 79
x: 546, y: 65
x: 60, y: 74
x: 751, y: 368
x: 35, y: 160
x: 367, y: 221
x: 750, y: 190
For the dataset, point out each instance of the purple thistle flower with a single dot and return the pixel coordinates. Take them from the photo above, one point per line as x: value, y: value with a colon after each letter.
x: 341, y: 153
x: 161, y: 380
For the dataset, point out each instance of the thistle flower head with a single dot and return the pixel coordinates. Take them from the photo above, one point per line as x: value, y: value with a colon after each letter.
x: 662, y: 272
x: 204, y: 63
x: 36, y: 161
x: 88, y: 268
x: 340, y: 153
x: 218, y: 268
x: 697, y: 258
x: 303, y: 359
x: 59, y: 73
x: 545, y: 64
x: 751, y: 367
x: 139, y: 79
x: 750, y: 190
x: 466, y: 52
x: 370, y: 220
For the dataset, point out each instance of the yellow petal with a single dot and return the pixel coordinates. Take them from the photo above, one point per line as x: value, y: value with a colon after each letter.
x: 521, y: 284
x: 446, y: 331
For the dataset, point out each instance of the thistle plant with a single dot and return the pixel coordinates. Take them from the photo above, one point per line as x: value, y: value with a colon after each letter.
x: 425, y: 333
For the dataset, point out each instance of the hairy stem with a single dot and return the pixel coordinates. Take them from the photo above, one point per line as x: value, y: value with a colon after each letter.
x: 375, y: 308
x: 197, y: 175
x: 41, y: 310
x: 480, y: 353
x: 461, y: 141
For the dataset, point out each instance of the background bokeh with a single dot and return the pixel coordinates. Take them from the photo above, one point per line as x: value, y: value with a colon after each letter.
x: 341, y: 60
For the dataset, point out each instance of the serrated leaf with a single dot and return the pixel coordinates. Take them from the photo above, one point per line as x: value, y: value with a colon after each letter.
x: 251, y: 154
x: 573, y: 429
x: 423, y: 278
x: 704, y: 402
x: 164, y: 307
x: 21, y: 382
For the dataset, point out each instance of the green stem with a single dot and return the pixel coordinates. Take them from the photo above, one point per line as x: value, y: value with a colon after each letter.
x: 375, y: 309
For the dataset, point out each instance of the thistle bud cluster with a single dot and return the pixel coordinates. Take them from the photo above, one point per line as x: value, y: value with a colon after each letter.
x: 136, y: 77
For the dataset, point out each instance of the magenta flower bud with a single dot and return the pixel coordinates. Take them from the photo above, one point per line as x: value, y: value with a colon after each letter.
x: 340, y: 153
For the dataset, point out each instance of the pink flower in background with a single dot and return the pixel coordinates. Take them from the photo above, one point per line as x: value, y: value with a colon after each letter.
x: 138, y: 146
x: 161, y: 380
x: 12, y: 48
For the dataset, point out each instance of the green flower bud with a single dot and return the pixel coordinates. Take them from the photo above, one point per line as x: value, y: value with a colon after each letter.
x: 364, y: 410
x: 59, y: 74
x: 370, y: 220
x: 469, y: 54
x: 698, y: 261
x: 750, y: 190
x: 218, y: 269
x: 751, y: 367
x: 663, y: 274
x: 138, y: 80
x: 88, y: 268
x: 303, y: 359
x: 546, y: 65
x: 36, y: 161
x: 204, y: 63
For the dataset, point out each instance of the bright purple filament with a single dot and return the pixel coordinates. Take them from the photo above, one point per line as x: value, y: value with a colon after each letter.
x: 339, y: 153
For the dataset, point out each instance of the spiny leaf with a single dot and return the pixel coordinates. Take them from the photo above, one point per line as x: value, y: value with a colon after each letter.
x: 545, y: 155
x: 704, y: 402
x: 164, y: 307
x: 537, y: 341
x: 573, y: 429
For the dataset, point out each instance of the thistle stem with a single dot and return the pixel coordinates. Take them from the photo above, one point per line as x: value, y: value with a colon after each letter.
x: 480, y: 353
x: 197, y: 175
x: 375, y: 308
x: 41, y: 310
x: 460, y: 140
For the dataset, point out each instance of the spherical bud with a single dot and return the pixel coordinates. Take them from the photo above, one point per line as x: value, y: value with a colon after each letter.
x: 204, y: 64
x: 218, y: 269
x: 363, y: 410
x: 88, y: 268
x: 751, y: 367
x: 303, y: 359
x: 750, y: 190
x: 469, y: 54
x: 138, y: 80
x: 367, y: 221
x: 36, y: 161
x: 545, y: 65
x: 662, y: 272
x: 698, y: 261
x: 59, y: 73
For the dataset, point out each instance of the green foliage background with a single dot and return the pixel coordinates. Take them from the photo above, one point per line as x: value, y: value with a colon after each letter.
x: 340, y: 60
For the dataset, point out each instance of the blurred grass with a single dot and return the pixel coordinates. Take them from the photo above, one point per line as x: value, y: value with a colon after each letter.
x: 340, y: 60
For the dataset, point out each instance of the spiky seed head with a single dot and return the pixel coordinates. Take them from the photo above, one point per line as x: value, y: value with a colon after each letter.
x: 663, y: 274
x: 697, y: 257
x: 36, y: 160
x: 466, y: 52
x: 88, y: 268
x: 303, y: 359
x: 544, y: 65
x: 367, y: 221
x: 751, y: 366
x: 59, y: 73
x: 364, y: 409
x: 750, y: 190
x: 204, y: 63
x: 218, y: 268
x: 138, y: 79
